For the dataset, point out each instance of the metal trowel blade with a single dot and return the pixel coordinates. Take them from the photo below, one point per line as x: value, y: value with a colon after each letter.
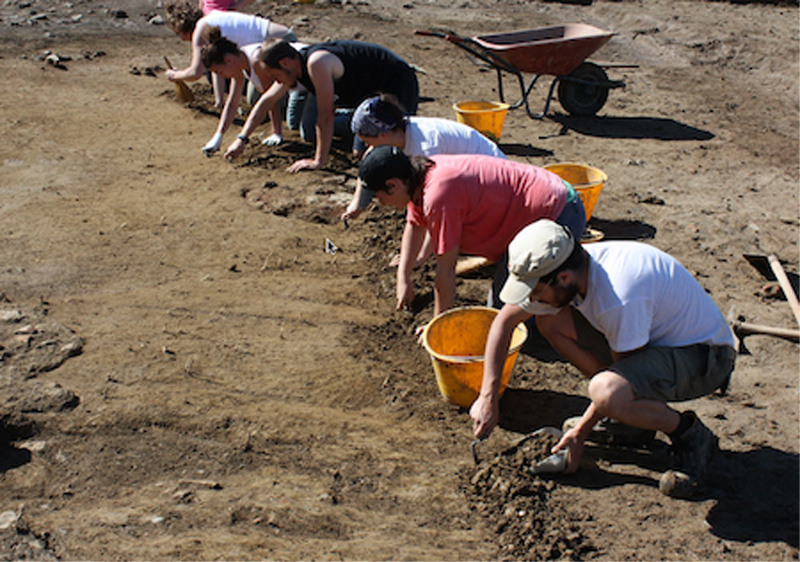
x: 557, y: 462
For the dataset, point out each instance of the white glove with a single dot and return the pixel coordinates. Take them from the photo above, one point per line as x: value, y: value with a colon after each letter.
x: 213, y: 144
x: 273, y: 140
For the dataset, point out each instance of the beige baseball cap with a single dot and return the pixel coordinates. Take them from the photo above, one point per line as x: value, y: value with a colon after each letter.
x: 538, y: 249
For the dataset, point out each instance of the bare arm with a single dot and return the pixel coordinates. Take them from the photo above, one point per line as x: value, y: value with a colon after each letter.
x: 445, y: 283
x: 425, y: 251
x: 231, y: 105
x: 218, y: 82
x: 275, y: 116
x: 485, y: 411
x: 325, y: 116
x: 559, y: 329
x: 276, y: 121
x: 276, y: 30
x: 413, y: 236
x: 574, y: 439
x: 322, y: 69
x: 227, y: 116
x: 353, y: 210
x: 265, y: 103
x: 196, y: 68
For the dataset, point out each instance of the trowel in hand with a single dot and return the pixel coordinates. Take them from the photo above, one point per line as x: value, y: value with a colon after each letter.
x: 557, y: 462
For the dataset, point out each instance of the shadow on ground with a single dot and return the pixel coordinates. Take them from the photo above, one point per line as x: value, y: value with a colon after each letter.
x: 526, y: 410
x: 757, y: 492
x: 521, y: 149
x: 758, y: 496
x: 12, y: 428
x: 623, y: 229
x: 12, y: 457
x: 631, y: 128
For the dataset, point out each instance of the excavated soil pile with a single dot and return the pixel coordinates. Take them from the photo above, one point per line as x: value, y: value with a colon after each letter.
x: 517, y: 504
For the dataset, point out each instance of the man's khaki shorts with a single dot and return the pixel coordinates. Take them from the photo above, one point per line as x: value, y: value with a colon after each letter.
x: 667, y: 374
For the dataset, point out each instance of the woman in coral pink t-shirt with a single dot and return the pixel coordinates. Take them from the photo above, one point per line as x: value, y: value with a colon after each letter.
x: 471, y: 204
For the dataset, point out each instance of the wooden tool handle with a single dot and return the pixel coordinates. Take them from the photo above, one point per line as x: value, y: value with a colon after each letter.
x: 788, y: 290
x: 747, y: 329
x: 166, y: 60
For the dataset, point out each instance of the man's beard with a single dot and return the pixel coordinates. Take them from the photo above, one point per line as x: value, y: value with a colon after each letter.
x: 564, y: 295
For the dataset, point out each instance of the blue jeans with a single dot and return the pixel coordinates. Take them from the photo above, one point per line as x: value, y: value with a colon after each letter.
x: 294, y: 108
x: 305, y: 117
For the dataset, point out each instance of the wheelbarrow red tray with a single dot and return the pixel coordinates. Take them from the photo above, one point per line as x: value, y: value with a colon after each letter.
x: 559, y: 51
x: 555, y: 50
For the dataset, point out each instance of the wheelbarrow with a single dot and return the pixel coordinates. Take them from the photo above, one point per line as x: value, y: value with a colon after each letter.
x: 559, y: 51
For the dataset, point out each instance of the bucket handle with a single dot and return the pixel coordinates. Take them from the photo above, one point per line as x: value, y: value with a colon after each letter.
x: 585, y: 184
x: 460, y: 358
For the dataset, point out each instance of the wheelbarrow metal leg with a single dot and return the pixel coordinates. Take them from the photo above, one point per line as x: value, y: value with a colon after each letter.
x: 525, y: 92
x: 526, y: 96
x: 550, y: 96
x: 500, y: 85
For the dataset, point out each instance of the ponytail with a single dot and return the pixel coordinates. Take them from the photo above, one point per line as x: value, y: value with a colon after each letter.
x: 216, y: 47
x: 419, y: 171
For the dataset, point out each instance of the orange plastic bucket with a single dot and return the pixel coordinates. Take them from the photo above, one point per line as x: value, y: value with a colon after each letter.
x: 487, y: 117
x: 588, y: 181
x: 456, y: 340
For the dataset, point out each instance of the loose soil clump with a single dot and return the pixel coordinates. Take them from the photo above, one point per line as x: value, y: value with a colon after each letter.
x: 517, y: 504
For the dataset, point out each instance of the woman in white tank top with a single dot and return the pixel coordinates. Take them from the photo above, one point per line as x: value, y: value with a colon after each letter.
x: 239, y: 64
x: 189, y: 23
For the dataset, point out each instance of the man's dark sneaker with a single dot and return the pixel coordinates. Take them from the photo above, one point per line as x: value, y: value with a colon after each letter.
x: 691, y: 453
x: 612, y: 432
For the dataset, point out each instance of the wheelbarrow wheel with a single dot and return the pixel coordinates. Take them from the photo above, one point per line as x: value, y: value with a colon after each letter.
x: 581, y: 93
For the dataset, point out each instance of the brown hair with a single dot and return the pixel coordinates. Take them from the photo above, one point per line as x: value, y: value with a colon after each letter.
x: 216, y: 47
x: 419, y: 171
x: 273, y: 51
x: 182, y: 16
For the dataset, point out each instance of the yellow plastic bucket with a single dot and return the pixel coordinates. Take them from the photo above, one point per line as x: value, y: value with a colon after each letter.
x: 487, y: 117
x: 456, y: 340
x: 588, y: 181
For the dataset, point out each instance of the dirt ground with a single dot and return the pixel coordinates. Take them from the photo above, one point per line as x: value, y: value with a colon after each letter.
x: 187, y: 374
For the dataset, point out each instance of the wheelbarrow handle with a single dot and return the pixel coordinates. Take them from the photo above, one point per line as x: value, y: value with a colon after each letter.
x: 453, y: 38
x: 456, y: 38
x: 428, y: 33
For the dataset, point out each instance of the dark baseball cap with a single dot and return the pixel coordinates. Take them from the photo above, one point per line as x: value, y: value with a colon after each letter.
x: 380, y: 164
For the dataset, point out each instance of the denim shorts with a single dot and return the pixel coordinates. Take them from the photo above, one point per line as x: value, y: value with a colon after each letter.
x: 667, y: 374
x: 574, y: 214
